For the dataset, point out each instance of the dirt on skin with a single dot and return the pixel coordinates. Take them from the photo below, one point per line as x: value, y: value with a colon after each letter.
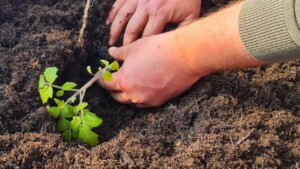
x: 240, y: 119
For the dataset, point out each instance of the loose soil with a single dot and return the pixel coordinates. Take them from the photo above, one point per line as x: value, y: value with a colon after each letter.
x: 240, y: 119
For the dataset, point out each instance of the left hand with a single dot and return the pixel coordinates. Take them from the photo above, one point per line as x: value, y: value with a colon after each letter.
x: 149, y: 17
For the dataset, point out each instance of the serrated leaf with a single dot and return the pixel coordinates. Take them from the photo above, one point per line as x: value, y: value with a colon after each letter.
x: 68, y: 86
x: 67, y: 111
x: 91, y: 119
x: 89, y: 70
x: 105, y: 62
x: 67, y: 135
x: 115, y: 65
x: 50, y: 74
x: 75, y: 123
x: 41, y: 81
x: 59, y: 103
x: 46, y: 92
x: 106, y: 76
x: 53, y: 111
x: 60, y: 93
x: 63, y: 124
x: 83, y: 105
x: 88, y: 136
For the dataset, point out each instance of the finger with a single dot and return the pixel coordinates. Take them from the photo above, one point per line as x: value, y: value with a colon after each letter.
x: 118, y: 53
x: 154, y: 26
x: 135, y: 26
x: 115, y: 8
x: 186, y: 22
x: 121, y: 97
x: 113, y: 85
x: 189, y: 19
x: 121, y: 20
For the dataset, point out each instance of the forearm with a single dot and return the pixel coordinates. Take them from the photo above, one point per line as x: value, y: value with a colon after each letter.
x: 214, y: 43
x: 231, y: 39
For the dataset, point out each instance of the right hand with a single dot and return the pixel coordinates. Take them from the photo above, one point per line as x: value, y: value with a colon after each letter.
x: 155, y: 70
x: 149, y: 17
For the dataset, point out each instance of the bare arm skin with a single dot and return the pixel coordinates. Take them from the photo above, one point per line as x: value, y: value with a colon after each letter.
x: 159, y: 68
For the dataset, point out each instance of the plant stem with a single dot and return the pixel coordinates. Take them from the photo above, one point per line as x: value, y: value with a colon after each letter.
x: 81, y: 96
x: 87, y: 85
x: 84, y: 23
x: 59, y: 87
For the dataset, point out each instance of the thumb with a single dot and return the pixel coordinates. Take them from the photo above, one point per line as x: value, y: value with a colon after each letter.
x: 118, y: 53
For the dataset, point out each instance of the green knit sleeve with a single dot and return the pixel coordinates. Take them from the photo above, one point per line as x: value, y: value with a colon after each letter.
x: 270, y: 29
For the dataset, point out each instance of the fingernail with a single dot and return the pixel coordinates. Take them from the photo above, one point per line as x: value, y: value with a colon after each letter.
x: 111, y: 41
x: 107, y: 21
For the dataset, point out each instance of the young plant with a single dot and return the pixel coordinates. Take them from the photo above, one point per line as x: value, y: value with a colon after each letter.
x: 75, y: 121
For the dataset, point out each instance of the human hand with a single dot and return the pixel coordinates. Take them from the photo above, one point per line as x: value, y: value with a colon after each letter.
x: 154, y: 71
x: 149, y: 17
x: 158, y: 68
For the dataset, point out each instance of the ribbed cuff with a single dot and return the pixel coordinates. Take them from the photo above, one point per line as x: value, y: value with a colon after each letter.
x: 270, y: 29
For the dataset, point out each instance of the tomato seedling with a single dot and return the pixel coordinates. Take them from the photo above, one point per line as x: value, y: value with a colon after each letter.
x: 75, y: 120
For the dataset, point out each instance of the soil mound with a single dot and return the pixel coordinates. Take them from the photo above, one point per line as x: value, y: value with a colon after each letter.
x: 242, y: 119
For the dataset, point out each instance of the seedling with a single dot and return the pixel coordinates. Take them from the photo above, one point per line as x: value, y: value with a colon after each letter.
x: 75, y: 120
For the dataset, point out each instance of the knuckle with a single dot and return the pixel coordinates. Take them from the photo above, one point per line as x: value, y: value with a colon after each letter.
x: 153, y: 8
x: 120, y: 1
x: 125, y: 14
x: 147, y: 6
x: 131, y: 30
x: 137, y: 101
x: 124, y: 85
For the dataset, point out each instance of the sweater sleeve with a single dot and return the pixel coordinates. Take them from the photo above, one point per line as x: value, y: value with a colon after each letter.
x: 270, y: 29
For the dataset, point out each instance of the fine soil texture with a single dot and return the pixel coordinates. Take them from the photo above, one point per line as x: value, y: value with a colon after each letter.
x: 239, y: 119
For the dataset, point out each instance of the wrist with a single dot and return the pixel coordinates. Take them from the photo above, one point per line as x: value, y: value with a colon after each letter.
x: 186, y: 51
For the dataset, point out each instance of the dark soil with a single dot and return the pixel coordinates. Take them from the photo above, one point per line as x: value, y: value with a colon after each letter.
x: 241, y: 119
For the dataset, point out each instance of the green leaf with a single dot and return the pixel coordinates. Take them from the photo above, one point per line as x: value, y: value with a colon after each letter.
x: 67, y: 135
x: 76, y: 109
x: 106, y: 76
x: 60, y: 103
x: 80, y: 106
x: 60, y: 93
x: 91, y: 119
x: 46, y: 92
x: 76, y: 123
x: 83, y: 105
x: 41, y: 81
x: 105, y: 62
x: 50, y: 74
x: 67, y: 111
x: 73, y: 99
x: 53, y: 111
x: 68, y: 86
x: 115, y: 65
x: 88, y: 136
x: 75, y: 134
x: 63, y: 124
x: 89, y: 70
